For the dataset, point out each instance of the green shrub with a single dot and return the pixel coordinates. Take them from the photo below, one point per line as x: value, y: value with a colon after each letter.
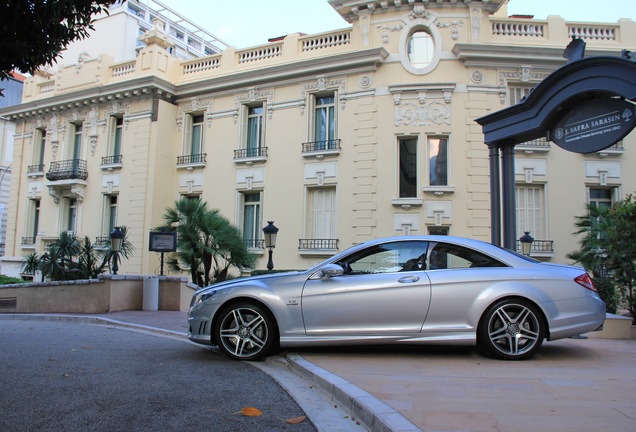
x: 608, y: 293
x: 6, y: 280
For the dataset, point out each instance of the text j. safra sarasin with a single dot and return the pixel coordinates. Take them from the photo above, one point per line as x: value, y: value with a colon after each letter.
x: 593, y: 124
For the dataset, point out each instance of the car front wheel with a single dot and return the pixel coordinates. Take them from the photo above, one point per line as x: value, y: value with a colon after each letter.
x: 512, y: 329
x: 245, y: 331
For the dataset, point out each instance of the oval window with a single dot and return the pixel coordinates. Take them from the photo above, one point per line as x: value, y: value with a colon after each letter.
x: 421, y: 49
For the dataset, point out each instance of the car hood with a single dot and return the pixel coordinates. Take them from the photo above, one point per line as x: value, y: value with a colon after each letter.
x: 249, y: 279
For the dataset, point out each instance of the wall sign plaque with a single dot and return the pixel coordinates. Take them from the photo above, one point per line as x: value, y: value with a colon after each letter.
x: 594, y: 125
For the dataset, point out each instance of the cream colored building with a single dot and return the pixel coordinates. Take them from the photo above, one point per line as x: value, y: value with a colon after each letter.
x: 339, y: 137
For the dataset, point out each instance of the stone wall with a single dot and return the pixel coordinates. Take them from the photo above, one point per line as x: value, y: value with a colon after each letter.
x: 109, y: 293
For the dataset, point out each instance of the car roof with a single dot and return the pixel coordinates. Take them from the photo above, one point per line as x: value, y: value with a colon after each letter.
x: 511, y: 258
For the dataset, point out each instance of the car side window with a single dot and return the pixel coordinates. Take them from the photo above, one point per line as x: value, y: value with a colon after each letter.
x: 450, y: 256
x: 388, y: 258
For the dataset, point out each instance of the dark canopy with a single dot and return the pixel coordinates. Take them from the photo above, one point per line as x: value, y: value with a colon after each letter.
x: 588, y: 78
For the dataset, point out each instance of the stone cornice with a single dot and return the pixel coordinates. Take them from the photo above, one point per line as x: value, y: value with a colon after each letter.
x: 482, y: 55
x: 363, y: 60
x: 150, y: 86
x: 351, y: 9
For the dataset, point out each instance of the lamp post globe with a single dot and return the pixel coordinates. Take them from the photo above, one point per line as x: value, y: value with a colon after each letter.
x: 116, y: 239
x: 526, y: 241
x: 270, y: 232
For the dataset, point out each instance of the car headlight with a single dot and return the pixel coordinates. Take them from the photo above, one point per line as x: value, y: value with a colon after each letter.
x: 201, y: 297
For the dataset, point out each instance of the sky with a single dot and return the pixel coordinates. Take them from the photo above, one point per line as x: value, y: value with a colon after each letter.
x: 245, y: 23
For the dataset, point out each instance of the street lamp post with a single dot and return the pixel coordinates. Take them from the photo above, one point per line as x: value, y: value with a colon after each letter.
x: 116, y: 239
x: 270, y: 232
x: 526, y: 243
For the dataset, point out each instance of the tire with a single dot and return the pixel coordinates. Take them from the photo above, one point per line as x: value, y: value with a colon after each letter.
x: 511, y: 329
x: 245, y: 331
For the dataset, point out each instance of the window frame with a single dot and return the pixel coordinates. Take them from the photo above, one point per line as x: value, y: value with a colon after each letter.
x: 402, y: 194
x: 33, y: 218
x: 331, y: 131
x: 188, y: 141
x: 108, y: 221
x: 71, y: 215
x: 255, y: 239
x: 77, y: 141
x: 537, y: 225
x: 116, y: 135
x: 327, y: 195
x: 429, y: 158
x: 247, y: 143
x: 40, y: 147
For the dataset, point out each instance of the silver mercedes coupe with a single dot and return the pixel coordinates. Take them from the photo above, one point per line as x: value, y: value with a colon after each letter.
x: 402, y: 290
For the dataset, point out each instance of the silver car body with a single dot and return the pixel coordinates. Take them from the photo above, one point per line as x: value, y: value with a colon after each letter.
x: 321, y: 306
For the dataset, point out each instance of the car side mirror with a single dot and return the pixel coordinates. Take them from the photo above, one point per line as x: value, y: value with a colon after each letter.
x: 331, y: 270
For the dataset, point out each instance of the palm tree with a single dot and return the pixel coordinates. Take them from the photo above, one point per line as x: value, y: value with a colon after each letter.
x: 592, y: 254
x: 207, y: 243
x: 30, y: 264
x: 593, y: 245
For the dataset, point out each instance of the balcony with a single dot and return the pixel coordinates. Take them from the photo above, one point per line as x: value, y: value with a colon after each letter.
x: 112, y: 162
x: 540, y: 145
x: 317, y: 246
x: 250, y: 155
x: 539, y: 248
x: 191, y: 161
x: 72, y: 169
x: 27, y: 241
x: 102, y: 242
x: 320, y: 149
x: 35, y: 170
x: 613, y: 150
x: 251, y: 244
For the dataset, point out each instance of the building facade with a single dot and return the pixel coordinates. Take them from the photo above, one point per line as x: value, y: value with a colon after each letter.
x: 337, y: 137
x: 117, y: 34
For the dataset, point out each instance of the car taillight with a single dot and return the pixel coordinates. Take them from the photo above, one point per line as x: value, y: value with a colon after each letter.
x: 586, y: 282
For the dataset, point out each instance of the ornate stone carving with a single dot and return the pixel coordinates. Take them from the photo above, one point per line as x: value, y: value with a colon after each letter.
x: 77, y: 191
x: 365, y: 81
x: 475, y: 22
x: 386, y: 29
x: 255, y: 94
x: 453, y: 25
x: 477, y: 77
x: 323, y: 83
x: 53, y: 192
x: 411, y: 114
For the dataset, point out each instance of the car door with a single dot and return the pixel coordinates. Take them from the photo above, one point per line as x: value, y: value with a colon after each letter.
x: 384, y: 290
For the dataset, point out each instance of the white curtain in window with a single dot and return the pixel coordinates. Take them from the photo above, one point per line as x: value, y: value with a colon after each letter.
x: 530, y: 212
x: 322, y: 213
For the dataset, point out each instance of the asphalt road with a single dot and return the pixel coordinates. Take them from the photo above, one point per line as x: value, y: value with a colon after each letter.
x: 57, y: 376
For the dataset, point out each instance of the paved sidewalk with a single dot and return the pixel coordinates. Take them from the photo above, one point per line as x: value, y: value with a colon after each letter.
x: 571, y: 385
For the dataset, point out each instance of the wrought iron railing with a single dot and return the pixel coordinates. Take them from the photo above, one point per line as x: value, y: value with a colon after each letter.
x: 27, y: 241
x: 191, y: 159
x: 250, y: 152
x: 254, y: 243
x: 67, y: 170
x: 318, y: 244
x: 539, y: 142
x: 325, y: 145
x: 31, y: 169
x: 102, y: 241
x: 112, y: 160
x: 539, y: 246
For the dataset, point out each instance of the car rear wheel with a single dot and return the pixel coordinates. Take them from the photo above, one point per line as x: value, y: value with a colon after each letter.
x: 512, y: 329
x: 245, y: 331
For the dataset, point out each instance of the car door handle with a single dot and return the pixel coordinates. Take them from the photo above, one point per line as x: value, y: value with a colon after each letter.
x: 408, y: 279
